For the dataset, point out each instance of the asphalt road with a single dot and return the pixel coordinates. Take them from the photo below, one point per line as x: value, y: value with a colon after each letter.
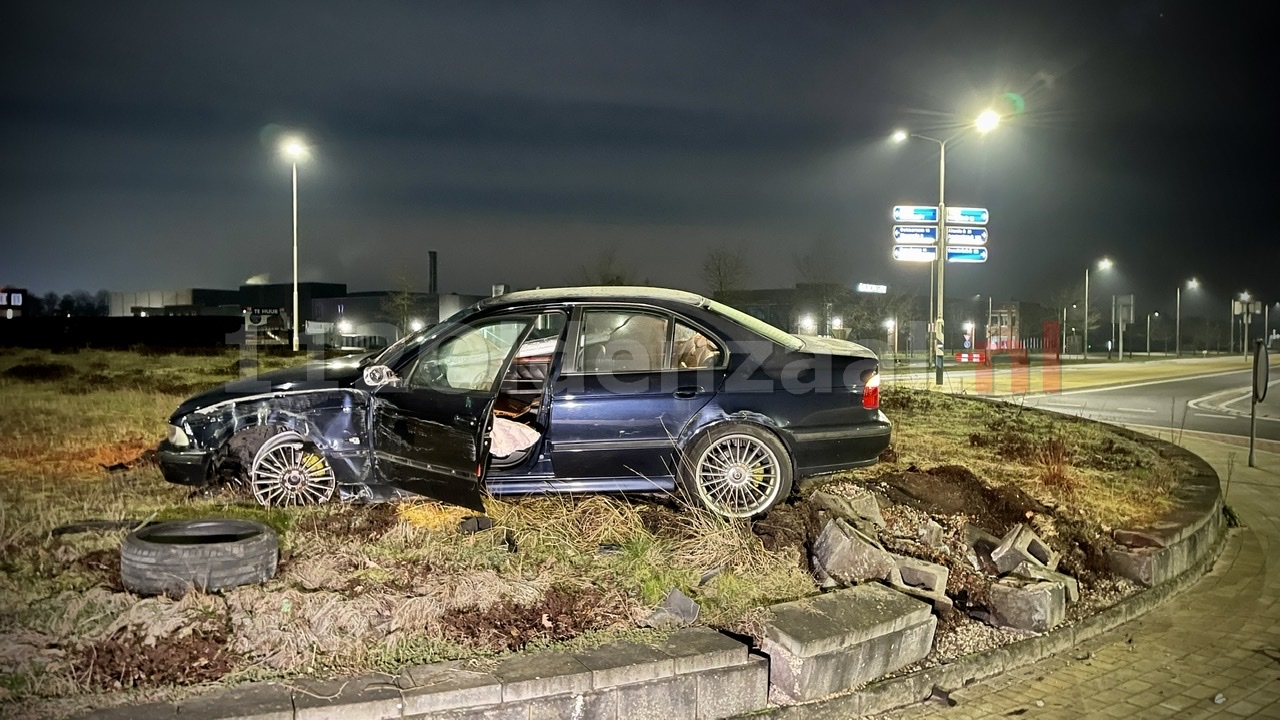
x: 1206, y: 404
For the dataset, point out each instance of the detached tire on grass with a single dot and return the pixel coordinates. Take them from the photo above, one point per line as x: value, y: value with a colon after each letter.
x: 170, y: 558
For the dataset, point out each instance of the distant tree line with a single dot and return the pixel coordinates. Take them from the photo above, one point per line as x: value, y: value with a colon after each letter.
x: 79, y: 303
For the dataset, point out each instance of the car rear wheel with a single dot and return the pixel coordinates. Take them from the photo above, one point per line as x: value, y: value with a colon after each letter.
x: 290, y: 470
x: 738, y: 471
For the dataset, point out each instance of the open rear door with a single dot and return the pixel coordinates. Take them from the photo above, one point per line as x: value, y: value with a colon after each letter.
x: 431, y: 428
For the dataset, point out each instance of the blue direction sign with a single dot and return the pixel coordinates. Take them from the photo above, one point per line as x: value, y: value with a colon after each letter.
x: 967, y: 216
x: 916, y: 234
x: 966, y: 235
x: 966, y: 254
x: 915, y: 213
x: 915, y: 253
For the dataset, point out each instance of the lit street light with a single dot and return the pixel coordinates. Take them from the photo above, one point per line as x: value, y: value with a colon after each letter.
x: 889, y: 326
x: 1103, y: 264
x: 1149, y: 316
x: 1192, y: 284
x: 985, y: 123
x: 294, y: 150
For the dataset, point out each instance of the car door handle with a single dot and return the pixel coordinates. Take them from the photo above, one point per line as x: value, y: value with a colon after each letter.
x: 464, y: 420
x: 684, y: 393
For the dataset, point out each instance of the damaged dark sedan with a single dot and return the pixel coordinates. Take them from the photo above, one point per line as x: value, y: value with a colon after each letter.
x: 568, y: 390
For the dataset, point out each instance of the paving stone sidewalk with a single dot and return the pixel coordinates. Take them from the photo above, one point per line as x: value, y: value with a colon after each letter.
x: 1219, y: 638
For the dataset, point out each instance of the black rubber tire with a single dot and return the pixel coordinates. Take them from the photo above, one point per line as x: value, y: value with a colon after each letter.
x: 170, y: 558
x: 694, y: 450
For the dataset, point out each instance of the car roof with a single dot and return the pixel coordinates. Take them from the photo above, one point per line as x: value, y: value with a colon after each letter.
x: 596, y: 292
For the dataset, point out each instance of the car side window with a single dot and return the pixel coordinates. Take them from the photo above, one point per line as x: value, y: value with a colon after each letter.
x: 622, y: 341
x: 693, y: 349
x: 471, y: 360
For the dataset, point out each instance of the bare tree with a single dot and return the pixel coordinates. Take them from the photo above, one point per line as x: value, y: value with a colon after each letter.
x: 605, y: 270
x: 402, y: 305
x: 725, y: 271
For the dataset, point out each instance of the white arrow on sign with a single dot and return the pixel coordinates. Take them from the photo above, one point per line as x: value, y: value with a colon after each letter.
x: 915, y: 253
x: 966, y: 235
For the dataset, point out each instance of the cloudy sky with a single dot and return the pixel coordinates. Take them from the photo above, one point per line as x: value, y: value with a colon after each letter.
x: 522, y: 140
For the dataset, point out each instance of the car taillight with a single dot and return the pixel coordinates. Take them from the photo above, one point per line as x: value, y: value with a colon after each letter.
x: 871, y: 392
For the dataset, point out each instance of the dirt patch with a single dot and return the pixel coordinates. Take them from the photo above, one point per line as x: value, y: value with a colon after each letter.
x: 40, y: 371
x: 955, y: 490
x: 125, y: 660
x: 795, y: 524
x: 561, y: 614
x: 367, y: 522
x: 103, y: 566
x: 664, y: 522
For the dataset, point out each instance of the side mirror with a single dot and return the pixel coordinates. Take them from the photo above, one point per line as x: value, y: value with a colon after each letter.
x: 379, y: 375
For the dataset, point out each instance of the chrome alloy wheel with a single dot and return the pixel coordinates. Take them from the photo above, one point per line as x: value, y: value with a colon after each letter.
x: 286, y: 472
x: 738, y: 476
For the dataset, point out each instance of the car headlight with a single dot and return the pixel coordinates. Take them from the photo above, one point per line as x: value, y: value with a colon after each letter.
x: 178, y: 437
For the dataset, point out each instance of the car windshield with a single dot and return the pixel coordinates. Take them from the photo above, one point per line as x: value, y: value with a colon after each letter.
x: 756, y: 325
x: 392, y: 355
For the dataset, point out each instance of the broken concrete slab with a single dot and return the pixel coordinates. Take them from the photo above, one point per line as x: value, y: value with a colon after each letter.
x: 831, y: 642
x: 922, y: 574
x: 446, y: 686
x: 852, y: 506
x: 930, y: 534
x: 1036, y: 605
x: 849, y: 556
x: 677, y: 610
x: 1022, y: 544
x: 943, y: 606
x: 1036, y: 571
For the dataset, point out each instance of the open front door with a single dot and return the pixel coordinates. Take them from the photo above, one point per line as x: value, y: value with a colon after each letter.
x: 431, y: 428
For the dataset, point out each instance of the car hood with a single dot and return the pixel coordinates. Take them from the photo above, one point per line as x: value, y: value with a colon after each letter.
x: 832, y: 346
x: 328, y: 374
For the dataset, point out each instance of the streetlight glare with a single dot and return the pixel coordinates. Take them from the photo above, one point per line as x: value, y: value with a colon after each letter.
x: 987, y: 121
x: 1105, y: 264
x: 293, y: 148
x: 1193, y: 284
x: 898, y: 136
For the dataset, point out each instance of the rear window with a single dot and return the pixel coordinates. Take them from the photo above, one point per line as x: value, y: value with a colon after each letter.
x: 756, y: 325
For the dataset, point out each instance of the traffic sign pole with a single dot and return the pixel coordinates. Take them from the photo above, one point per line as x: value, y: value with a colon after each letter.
x: 939, y: 333
x: 1261, y: 375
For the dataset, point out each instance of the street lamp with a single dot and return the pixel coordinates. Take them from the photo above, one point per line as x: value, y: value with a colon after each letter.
x: 889, y: 326
x: 1149, y: 316
x: 1192, y: 284
x: 294, y: 149
x: 1103, y: 264
x: 985, y: 123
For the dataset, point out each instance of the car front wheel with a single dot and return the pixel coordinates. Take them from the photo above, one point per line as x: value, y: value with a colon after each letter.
x: 289, y: 470
x: 737, y: 471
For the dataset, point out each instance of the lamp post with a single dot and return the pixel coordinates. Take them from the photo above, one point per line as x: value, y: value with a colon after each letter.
x: 294, y: 150
x: 1103, y: 264
x: 1149, y: 315
x: 985, y: 123
x: 1245, y: 317
x: 1192, y: 284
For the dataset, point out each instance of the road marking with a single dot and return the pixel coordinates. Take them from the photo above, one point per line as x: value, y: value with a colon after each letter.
x: 1109, y: 388
x: 1217, y: 417
x: 1061, y: 404
x: 1137, y: 410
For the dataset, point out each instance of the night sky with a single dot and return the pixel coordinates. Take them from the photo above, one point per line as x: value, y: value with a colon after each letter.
x: 522, y: 140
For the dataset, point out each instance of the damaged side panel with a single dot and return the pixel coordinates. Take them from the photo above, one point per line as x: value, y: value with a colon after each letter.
x: 336, y: 420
